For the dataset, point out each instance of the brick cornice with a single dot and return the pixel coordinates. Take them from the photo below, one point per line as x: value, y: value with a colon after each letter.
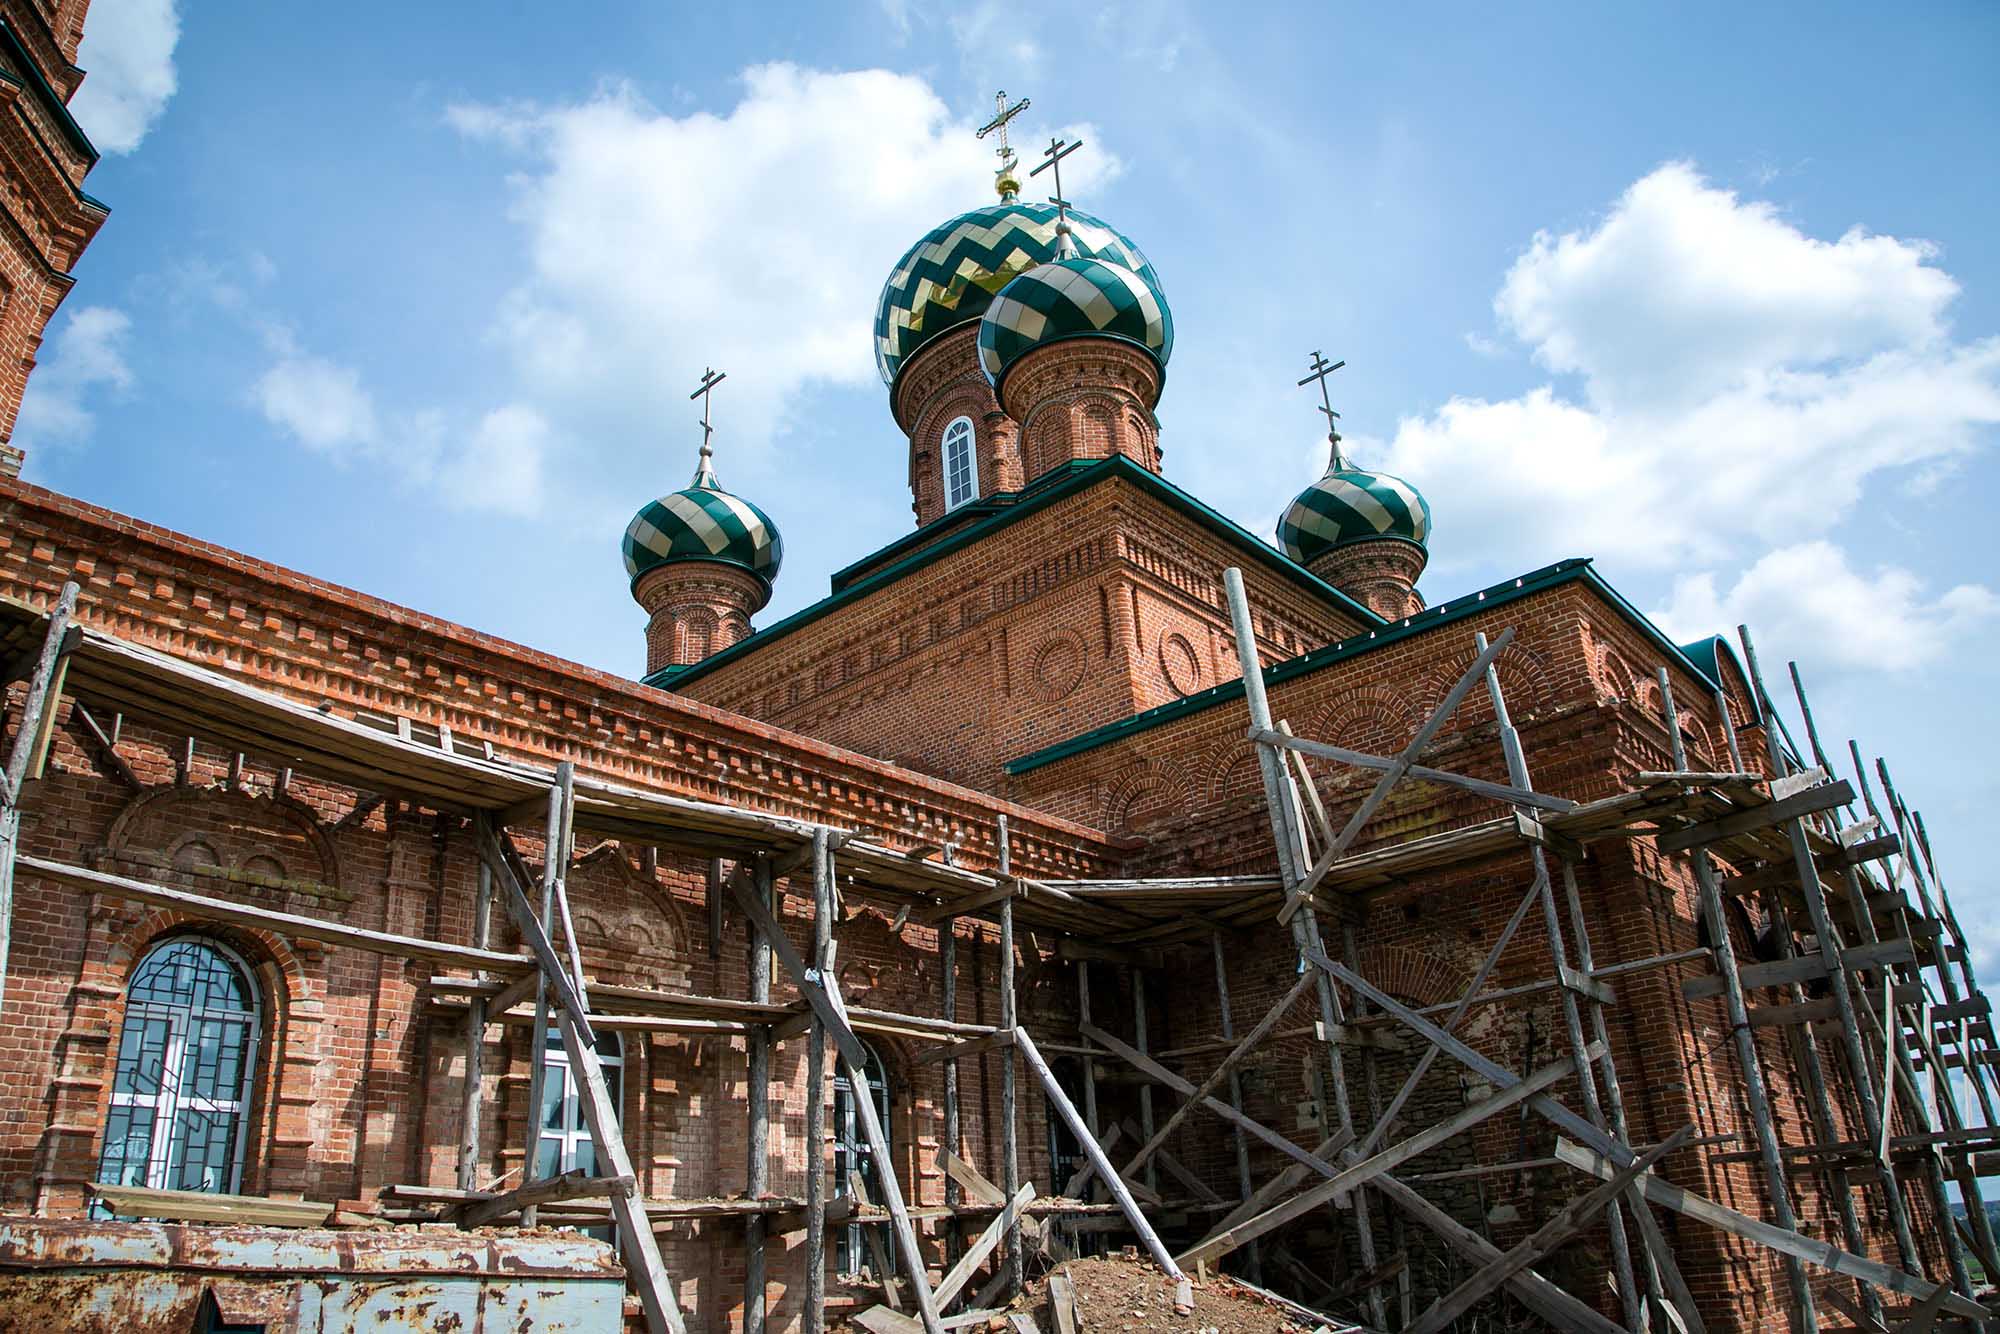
x: 313, y: 640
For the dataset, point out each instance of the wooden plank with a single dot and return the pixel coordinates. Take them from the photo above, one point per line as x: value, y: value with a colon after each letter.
x: 882, y: 1320
x: 960, y: 1049
x: 960, y: 1274
x: 1823, y: 797
x: 878, y: 1250
x: 1359, y: 1174
x: 969, y: 1179
x: 1568, y: 1221
x: 270, y: 919
x: 573, y: 1185
x: 1221, y: 1072
x: 1821, y: 1253
x: 1067, y: 1110
x: 1062, y: 1304
x: 1805, y: 968
x: 1153, y: 1069
x: 195, y: 1206
x: 808, y: 981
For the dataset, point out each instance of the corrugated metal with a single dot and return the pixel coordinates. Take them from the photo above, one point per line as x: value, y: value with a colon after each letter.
x: 86, y: 1277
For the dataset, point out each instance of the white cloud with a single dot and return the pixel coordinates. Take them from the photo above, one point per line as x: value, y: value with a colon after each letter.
x: 1809, y: 596
x: 501, y: 469
x: 320, y: 404
x: 1743, y: 385
x: 128, y: 51
x: 89, y: 351
x: 755, y: 241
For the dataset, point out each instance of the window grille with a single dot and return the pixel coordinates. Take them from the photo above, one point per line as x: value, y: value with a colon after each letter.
x: 851, y: 1153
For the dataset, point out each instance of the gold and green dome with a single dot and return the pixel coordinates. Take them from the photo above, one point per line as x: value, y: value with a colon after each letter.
x: 1074, y: 297
x: 1350, y: 504
x: 703, y: 522
x: 951, y: 276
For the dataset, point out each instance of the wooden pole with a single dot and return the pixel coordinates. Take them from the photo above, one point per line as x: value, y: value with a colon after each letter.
x: 39, y: 706
x: 948, y: 965
x: 757, y: 1171
x: 1842, y: 983
x: 1010, y: 1142
x: 1586, y: 1078
x: 1137, y: 976
x: 1762, y: 1124
x: 1304, y: 922
x: 814, y: 1312
x: 1254, y: 1260
x: 538, y: 1057
x: 475, y: 1027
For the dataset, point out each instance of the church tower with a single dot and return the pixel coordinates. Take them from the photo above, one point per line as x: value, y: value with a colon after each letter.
x: 701, y: 562
x: 1088, y: 400
x: 49, y: 219
x: 1366, y: 533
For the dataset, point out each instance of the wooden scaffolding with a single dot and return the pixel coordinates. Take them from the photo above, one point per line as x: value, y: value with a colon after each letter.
x: 1902, y: 1007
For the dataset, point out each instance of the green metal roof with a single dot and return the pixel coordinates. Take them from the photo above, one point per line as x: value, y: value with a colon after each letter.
x: 1445, y: 613
x: 1036, y: 497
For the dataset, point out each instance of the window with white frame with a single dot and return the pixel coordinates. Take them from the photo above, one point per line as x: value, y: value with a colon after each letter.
x: 180, y: 1095
x: 853, y: 1156
x: 565, y: 1144
x: 961, y: 470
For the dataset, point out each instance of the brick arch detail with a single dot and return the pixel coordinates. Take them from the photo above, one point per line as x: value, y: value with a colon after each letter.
x: 1411, y: 975
x: 1125, y: 791
x: 1370, y: 714
x: 1525, y: 679
x: 201, y: 801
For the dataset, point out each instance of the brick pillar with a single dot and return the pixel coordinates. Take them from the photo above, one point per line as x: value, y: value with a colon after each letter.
x: 938, y: 385
x: 1084, y: 398
x: 1380, y: 575
x: 390, y: 1121
x: 695, y: 608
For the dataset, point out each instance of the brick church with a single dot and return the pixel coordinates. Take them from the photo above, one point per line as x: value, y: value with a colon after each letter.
x: 874, y: 942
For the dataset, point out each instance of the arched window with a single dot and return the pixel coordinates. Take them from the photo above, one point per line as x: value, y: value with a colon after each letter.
x: 181, y: 1092
x: 852, y: 1154
x: 961, y: 470
x: 565, y: 1144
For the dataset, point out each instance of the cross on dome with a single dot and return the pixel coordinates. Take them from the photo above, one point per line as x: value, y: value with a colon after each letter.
x: 1004, y: 180
x: 1321, y: 368
x: 704, y: 473
x: 1052, y: 157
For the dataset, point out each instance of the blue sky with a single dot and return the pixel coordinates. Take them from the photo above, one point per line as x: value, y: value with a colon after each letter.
x: 410, y: 297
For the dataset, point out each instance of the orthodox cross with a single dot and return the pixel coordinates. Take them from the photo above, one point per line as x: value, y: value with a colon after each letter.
x: 1052, y: 157
x: 709, y: 379
x: 1002, y: 114
x: 1321, y: 368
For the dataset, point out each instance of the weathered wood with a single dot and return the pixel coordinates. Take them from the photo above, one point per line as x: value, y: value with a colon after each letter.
x: 878, y: 1250
x: 1221, y: 1072
x: 281, y: 923
x: 1811, y: 800
x: 969, y: 1180
x: 1010, y: 1144
x: 1359, y: 1174
x: 512, y: 876
x: 960, y: 1274
x: 196, y: 1206
x: 555, y: 858
x: 1116, y: 1185
x: 572, y: 1185
x: 808, y: 981
x: 472, y: 1097
x: 1805, y: 968
x: 1062, y: 1304
x: 757, y: 1168
x: 1254, y: 1261
x: 1821, y: 1253
x: 1567, y: 1222
x: 814, y: 1311
x: 960, y: 1049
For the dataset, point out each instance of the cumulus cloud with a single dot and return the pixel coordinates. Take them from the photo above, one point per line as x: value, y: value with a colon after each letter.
x: 1738, y: 384
x: 128, y: 51
x: 495, y: 465
x: 1809, y: 595
x: 88, y: 353
x: 755, y: 240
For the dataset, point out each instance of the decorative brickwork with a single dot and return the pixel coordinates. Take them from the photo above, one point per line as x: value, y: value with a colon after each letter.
x: 1381, y: 575
x: 695, y: 608
x: 1085, y: 398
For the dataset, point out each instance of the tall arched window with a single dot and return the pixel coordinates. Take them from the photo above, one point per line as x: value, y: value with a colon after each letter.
x: 565, y: 1144
x: 186, y: 1056
x: 961, y: 469
x: 852, y: 1154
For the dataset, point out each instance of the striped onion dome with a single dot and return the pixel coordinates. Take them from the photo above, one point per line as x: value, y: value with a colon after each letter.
x: 950, y: 276
x: 1076, y: 297
x: 703, y: 522
x: 1350, y: 504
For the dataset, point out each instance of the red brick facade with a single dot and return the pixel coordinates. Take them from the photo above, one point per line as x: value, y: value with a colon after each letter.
x: 46, y: 219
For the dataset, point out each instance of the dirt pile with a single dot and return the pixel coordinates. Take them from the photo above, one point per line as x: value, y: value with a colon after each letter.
x: 1117, y: 1293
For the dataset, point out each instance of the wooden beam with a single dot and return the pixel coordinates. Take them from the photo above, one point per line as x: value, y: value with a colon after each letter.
x: 961, y: 1273
x: 809, y: 982
x: 574, y: 1185
x: 199, y: 1206
x: 1823, y: 797
x: 270, y: 919
x: 1804, y: 968
x: 959, y: 1049
x: 1359, y: 1174
x: 1568, y: 1221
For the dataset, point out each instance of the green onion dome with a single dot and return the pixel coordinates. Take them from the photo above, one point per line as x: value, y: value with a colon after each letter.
x: 950, y: 276
x: 1350, y: 504
x: 1076, y: 297
x: 703, y: 522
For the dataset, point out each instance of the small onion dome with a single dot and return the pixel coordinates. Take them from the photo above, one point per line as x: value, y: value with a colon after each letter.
x: 949, y: 277
x: 703, y: 522
x: 1352, y: 505
x: 1075, y: 297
